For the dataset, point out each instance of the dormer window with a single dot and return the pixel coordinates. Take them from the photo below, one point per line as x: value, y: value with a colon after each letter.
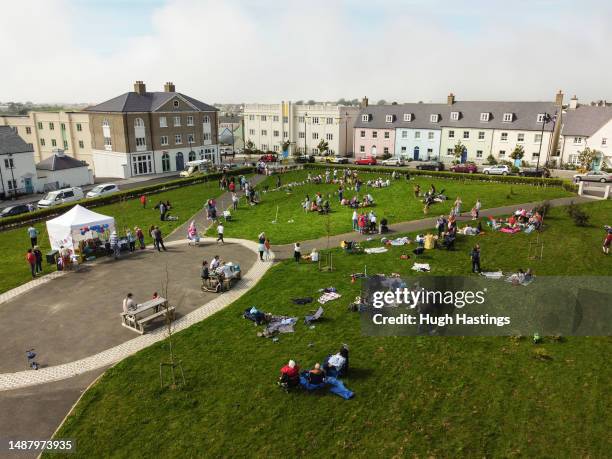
x: 389, y: 118
x: 176, y: 104
x: 407, y: 116
x: 433, y: 118
x: 540, y: 118
x: 454, y: 116
x: 508, y: 117
x: 484, y: 117
x: 365, y: 118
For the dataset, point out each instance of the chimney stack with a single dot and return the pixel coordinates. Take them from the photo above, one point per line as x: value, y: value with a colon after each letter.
x: 364, y: 102
x: 169, y: 87
x: 139, y: 87
x: 450, y: 99
x: 573, y: 105
x: 559, y: 99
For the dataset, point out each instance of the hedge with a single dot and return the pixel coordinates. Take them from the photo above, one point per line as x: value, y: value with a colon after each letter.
x: 45, y: 214
x: 513, y: 179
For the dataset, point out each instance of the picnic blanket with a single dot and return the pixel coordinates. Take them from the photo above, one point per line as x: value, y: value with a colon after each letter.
x: 328, y: 296
x: 513, y: 278
x: 305, y: 300
x: 510, y: 230
x: 421, y: 267
x: 280, y: 324
x: 400, y: 241
x: 493, y: 275
x: 376, y: 250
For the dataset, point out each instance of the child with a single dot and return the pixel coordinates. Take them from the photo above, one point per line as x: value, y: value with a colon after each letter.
x: 220, y: 230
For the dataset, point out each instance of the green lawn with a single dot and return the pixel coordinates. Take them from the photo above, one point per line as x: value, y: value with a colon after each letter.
x: 396, y: 203
x: 415, y: 396
x: 185, y: 201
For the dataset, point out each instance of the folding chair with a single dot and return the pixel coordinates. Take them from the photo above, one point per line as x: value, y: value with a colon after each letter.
x: 312, y: 318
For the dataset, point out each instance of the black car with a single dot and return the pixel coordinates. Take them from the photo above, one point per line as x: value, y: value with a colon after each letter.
x: 14, y: 210
x: 305, y: 159
x: 430, y: 166
x: 533, y: 172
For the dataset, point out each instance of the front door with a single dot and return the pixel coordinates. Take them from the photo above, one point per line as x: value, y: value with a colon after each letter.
x: 180, y: 163
x: 28, y: 185
x: 416, y: 153
x: 464, y: 155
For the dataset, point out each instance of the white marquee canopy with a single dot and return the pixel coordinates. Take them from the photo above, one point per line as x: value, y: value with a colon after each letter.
x: 76, y: 225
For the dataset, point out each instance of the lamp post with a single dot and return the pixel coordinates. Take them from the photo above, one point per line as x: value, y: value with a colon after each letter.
x: 345, y: 133
x: 12, y: 167
x: 545, y: 120
x: 305, y: 135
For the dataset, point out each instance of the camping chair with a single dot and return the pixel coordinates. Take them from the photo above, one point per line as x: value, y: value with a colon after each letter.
x: 288, y: 383
x: 314, y: 317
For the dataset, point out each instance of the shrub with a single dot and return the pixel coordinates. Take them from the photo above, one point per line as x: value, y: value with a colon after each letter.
x: 580, y: 217
x: 491, y: 161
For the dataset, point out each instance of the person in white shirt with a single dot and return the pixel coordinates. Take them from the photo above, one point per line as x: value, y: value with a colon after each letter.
x: 297, y: 252
x: 128, y: 303
x: 33, y: 233
x: 215, y: 263
x: 355, y: 219
x: 220, y: 230
x: 314, y: 256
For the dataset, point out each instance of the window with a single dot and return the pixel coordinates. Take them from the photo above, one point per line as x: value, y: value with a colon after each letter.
x: 479, y: 153
x: 15, y: 129
x: 251, y: 117
x: 450, y: 152
x: 314, y: 151
x: 508, y: 117
x: 540, y: 118
x: 12, y: 184
x: 365, y: 118
x: 451, y: 134
x: 454, y: 116
x: 574, y: 159
x: 206, y: 136
x: 430, y: 135
x: 466, y: 134
x: 178, y: 139
x: 315, y: 120
x: 329, y: 120
x: 264, y: 146
x: 285, y: 134
x: 535, y: 155
x: 520, y: 137
x: 386, y: 150
x: 141, y: 142
x: 315, y: 136
x: 301, y: 135
x: 142, y: 164
x: 29, y: 129
x: 329, y: 136
x: 51, y: 126
x: 8, y: 163
x: 404, y: 134
x: 301, y: 119
x: 481, y: 135
x: 105, y: 123
x: 251, y: 131
x: 264, y: 132
x: 264, y: 118
x: 275, y: 118
x: 276, y: 148
x: 163, y: 140
x: 190, y: 139
x: 417, y: 134
x: 163, y: 123
x: 78, y: 127
x: 285, y: 119
x: 374, y: 134
x: 65, y: 145
x: 81, y: 144
x: 484, y: 117
x: 386, y: 134
x: 40, y: 125
x: 42, y: 142
x: 433, y: 118
x: 389, y: 118
x: 53, y: 143
x: 206, y: 119
x: 502, y: 153
x: 108, y: 143
x: 177, y: 121
x: 577, y: 140
x: 176, y: 104
x: 276, y: 133
x: 407, y: 116
x: 192, y: 155
x: 362, y: 149
x: 138, y: 122
x: 362, y: 133
x: 604, y: 141
x: 537, y: 138
x: 403, y: 149
x: 504, y: 136
x: 190, y: 120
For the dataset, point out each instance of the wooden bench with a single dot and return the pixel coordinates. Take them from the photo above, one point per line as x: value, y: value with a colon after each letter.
x: 146, y: 312
x: 142, y: 322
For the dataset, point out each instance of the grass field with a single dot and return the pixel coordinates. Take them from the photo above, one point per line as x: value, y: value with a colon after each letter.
x: 415, y: 397
x: 396, y: 203
x: 186, y: 201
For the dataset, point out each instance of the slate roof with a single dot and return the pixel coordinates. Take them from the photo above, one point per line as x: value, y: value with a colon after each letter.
x: 59, y: 162
x: 147, y: 102
x: 10, y: 142
x: 525, y: 115
x: 585, y: 120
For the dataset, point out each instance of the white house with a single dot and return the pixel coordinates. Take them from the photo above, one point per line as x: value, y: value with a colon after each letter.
x: 17, y: 169
x: 61, y: 171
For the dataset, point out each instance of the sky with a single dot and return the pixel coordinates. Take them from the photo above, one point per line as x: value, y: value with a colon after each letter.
x: 242, y: 51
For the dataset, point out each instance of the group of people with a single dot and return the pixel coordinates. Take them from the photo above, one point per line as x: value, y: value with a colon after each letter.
x: 379, y: 183
x: 318, y: 204
x: 365, y: 222
x: 215, y: 267
x: 164, y: 211
x: 263, y: 247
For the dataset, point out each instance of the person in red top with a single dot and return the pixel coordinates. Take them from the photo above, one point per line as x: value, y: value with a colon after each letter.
x: 290, y: 375
x: 31, y: 259
x: 607, y: 240
x: 232, y: 187
x: 143, y: 201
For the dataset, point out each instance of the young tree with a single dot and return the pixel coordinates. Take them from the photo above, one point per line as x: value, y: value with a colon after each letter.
x: 518, y: 152
x: 249, y: 147
x: 491, y: 160
x: 586, y: 158
x: 458, y: 149
x: 322, y: 147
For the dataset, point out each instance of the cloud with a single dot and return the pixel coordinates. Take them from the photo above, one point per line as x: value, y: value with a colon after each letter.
x: 266, y: 51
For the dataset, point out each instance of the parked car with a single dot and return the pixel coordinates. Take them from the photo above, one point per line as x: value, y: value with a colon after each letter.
x: 496, y: 170
x: 196, y: 167
x: 430, y: 166
x: 336, y: 159
x: 104, y: 188
x: 14, y: 210
x: 305, y: 159
x: 534, y: 172
x: 465, y: 168
x: 594, y: 176
x: 269, y: 158
x: 366, y: 161
x: 393, y: 162
x: 227, y: 151
x: 57, y: 197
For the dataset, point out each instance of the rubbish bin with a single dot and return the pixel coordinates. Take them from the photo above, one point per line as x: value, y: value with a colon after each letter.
x: 52, y: 257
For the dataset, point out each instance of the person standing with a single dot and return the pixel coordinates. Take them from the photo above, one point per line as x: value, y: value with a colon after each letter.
x: 162, y: 211
x: 267, y: 249
x: 232, y: 185
x: 457, y: 207
x: 234, y: 201
x: 159, y: 239
x: 278, y: 181
x: 131, y: 239
x: 33, y: 233
x: 475, y: 256
x: 262, y: 248
x: 140, y: 237
x: 31, y: 259
x: 143, y: 201
x: 340, y: 193
x: 355, y: 220
x: 476, y: 210
x: 38, y: 255
x: 607, y: 240
x: 114, y: 242
x: 297, y: 252
x: 152, y: 234
x: 128, y: 303
x: 220, y: 230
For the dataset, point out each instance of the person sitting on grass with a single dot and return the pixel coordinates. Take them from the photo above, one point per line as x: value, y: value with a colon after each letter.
x: 306, y: 204
x: 289, y: 375
x: 316, y: 375
x: 337, y: 365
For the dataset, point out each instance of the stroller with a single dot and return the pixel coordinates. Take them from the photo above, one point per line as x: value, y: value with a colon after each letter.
x: 351, y: 247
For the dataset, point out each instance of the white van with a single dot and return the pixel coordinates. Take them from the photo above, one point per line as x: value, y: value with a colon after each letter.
x: 195, y: 167
x: 57, y: 197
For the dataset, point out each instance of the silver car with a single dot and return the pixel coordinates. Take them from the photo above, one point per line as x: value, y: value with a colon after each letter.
x: 594, y: 176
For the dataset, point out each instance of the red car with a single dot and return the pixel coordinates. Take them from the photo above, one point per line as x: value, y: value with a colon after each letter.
x: 366, y: 161
x: 268, y: 158
x: 466, y: 168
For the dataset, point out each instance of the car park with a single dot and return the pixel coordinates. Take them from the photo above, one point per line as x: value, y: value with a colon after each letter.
x: 104, y: 188
x: 430, y: 166
x: 14, y: 210
x: 395, y: 161
x: 366, y: 161
x: 57, y: 197
x: 465, y: 168
x: 594, y: 176
x: 498, y: 169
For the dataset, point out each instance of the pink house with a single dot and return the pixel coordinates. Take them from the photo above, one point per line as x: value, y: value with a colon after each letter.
x: 373, y: 142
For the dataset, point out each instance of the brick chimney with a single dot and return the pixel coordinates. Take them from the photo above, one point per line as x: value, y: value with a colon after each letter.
x: 559, y: 99
x: 364, y: 102
x: 450, y: 99
x: 140, y: 87
x: 169, y: 87
x: 573, y: 105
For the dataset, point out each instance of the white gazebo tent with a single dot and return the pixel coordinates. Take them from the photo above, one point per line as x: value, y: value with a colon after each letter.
x: 76, y: 225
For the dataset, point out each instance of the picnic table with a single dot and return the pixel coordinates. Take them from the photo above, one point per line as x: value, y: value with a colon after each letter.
x: 144, y: 313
